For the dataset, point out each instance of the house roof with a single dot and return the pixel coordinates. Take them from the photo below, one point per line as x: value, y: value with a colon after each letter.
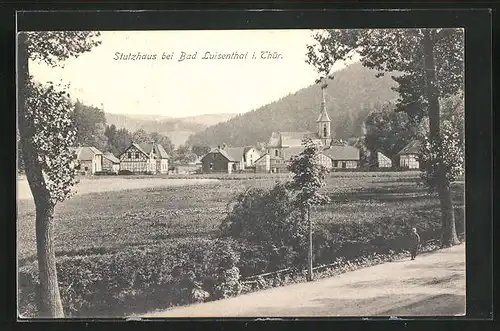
x: 136, y: 145
x: 86, y: 153
x: 236, y: 153
x: 263, y: 155
x: 246, y: 149
x: 111, y: 157
x: 222, y: 152
x: 158, y: 149
x: 412, y: 148
x: 289, y: 152
x: 291, y: 139
x: 342, y: 153
x: 381, y: 156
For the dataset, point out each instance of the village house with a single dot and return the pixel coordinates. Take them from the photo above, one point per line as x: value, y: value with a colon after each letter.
x: 342, y: 156
x: 110, y: 163
x: 408, y: 156
x: 145, y: 158
x: 227, y: 159
x: 88, y: 159
x: 263, y: 163
x: 383, y: 161
x: 217, y: 160
x: 237, y: 155
x: 283, y: 146
x: 250, y: 155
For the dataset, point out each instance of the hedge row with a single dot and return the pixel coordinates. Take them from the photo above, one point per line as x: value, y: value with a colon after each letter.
x: 141, y: 279
x: 137, y: 279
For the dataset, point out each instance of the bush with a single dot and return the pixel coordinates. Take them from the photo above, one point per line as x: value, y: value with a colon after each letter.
x: 263, y: 216
x: 125, y: 172
x: 269, y: 219
x: 138, y: 279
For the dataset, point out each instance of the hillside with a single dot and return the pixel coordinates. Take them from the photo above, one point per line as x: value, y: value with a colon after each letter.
x: 353, y: 93
x: 177, y: 129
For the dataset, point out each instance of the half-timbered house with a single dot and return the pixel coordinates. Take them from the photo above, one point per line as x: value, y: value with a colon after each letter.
x: 145, y: 158
x: 408, y: 156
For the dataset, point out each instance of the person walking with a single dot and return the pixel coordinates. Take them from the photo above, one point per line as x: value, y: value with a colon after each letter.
x: 415, y: 242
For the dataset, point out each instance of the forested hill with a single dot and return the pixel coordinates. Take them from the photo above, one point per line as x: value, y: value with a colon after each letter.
x: 353, y: 93
x: 177, y: 129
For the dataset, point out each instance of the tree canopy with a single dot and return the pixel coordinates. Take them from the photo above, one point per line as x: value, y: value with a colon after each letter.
x: 431, y: 66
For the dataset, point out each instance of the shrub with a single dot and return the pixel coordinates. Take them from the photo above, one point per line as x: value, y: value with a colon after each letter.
x: 139, y: 279
x: 125, y: 172
x: 267, y: 218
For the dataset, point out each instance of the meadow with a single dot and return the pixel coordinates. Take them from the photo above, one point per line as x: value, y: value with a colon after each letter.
x: 103, y: 218
x: 108, y: 223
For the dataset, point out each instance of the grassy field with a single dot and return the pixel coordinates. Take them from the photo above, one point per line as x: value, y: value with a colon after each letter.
x: 112, y: 213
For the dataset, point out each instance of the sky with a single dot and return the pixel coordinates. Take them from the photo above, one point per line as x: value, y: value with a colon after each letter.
x: 169, y: 87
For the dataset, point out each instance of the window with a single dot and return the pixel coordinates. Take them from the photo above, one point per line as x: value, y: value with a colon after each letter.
x: 276, y: 152
x: 129, y: 155
x: 335, y: 164
x: 343, y: 165
x: 211, y: 166
x: 324, y: 131
x: 136, y: 155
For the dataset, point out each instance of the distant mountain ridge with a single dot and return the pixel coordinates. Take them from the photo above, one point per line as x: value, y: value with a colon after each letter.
x: 178, y: 129
x: 354, y: 92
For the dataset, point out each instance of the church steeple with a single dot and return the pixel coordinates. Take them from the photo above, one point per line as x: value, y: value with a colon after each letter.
x: 324, y: 130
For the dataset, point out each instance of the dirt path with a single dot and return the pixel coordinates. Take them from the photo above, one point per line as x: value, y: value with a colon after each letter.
x: 432, y: 285
x: 105, y: 184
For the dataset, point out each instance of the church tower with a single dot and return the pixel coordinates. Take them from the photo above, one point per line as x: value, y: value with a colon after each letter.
x: 324, y: 130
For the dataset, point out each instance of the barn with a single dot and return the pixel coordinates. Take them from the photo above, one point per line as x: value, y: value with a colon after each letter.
x: 89, y: 159
x: 110, y: 163
x: 222, y: 160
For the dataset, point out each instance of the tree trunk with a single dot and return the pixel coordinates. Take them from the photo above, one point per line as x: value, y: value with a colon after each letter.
x: 449, y: 234
x: 49, y: 299
x: 310, y: 250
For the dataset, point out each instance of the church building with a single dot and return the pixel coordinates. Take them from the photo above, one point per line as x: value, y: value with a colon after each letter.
x: 283, y: 146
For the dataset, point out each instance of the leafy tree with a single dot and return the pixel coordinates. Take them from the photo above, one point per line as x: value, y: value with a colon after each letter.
x: 90, y: 123
x: 141, y: 136
x: 388, y: 132
x: 46, y: 132
x: 164, y: 141
x: 184, y: 154
x: 430, y: 62
x: 308, y: 178
x: 200, y: 150
x: 449, y: 148
x: 118, y: 140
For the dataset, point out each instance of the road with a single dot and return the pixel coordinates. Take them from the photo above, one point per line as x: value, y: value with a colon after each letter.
x: 431, y: 285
